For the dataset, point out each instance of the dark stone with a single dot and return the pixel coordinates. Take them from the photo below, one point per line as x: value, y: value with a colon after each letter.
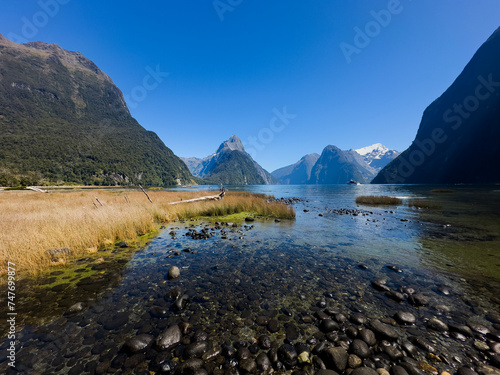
x: 328, y: 325
x: 403, y: 317
x: 122, y: 245
x: 352, y: 332
x: 190, y: 367
x: 360, y: 348
x: 170, y: 337
x: 412, y: 368
x: 422, y: 344
x: 181, y: 303
x: 494, y: 318
x: 466, y: 371
x: 364, y: 371
x: 462, y: 329
x: 335, y: 358
x: 243, y: 353
x: 249, y: 219
x: 395, y: 296
x: 138, y: 343
x: 410, y: 349
x: 368, y: 336
x: 273, y: 355
x: 292, y: 332
x: 248, y: 366
x: 273, y: 326
x: 383, y: 330
x: 478, y: 328
x: 116, y: 321
x: 287, y: 355
x: 196, y: 349
x: 263, y: 362
x: 264, y: 342
x: 326, y: 372
x: 158, y: 312
x: 436, y: 325
x: 393, y: 352
x: 398, y: 370
x: 418, y: 300
x: 379, y: 284
x: 358, y: 318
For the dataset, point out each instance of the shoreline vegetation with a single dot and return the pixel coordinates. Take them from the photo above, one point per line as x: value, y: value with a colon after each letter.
x: 39, y: 231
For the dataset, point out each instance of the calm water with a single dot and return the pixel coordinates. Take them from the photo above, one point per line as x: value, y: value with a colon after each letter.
x: 280, y: 270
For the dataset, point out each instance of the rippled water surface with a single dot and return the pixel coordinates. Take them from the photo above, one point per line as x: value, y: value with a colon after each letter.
x: 247, y: 275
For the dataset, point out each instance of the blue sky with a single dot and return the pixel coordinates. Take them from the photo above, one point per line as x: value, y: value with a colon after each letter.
x: 288, y: 77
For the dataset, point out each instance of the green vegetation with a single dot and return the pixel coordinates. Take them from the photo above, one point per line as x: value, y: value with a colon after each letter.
x: 234, y: 168
x: 373, y: 200
x: 66, y: 122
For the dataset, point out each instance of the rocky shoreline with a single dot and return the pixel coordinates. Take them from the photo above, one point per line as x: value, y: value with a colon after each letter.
x: 233, y: 303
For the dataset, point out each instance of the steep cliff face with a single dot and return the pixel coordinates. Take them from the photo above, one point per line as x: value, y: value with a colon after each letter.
x: 230, y: 165
x: 64, y: 120
x: 458, y: 140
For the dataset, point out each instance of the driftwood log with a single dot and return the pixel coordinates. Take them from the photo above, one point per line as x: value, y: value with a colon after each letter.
x: 206, y: 198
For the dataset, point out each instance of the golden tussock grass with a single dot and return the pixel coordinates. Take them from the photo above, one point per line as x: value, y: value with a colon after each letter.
x: 32, y: 223
x: 374, y: 200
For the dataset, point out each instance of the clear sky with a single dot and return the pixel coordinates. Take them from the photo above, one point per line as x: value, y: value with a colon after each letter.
x: 287, y: 76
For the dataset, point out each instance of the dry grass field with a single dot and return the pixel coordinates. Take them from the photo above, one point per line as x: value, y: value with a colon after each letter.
x: 32, y: 223
x: 374, y: 200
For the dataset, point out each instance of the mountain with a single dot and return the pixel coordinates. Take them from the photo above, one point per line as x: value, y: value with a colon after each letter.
x: 335, y: 166
x: 298, y: 173
x: 458, y: 140
x: 230, y: 165
x: 64, y: 120
x: 377, y: 155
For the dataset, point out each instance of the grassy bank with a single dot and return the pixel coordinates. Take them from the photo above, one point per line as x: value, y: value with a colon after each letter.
x: 84, y: 222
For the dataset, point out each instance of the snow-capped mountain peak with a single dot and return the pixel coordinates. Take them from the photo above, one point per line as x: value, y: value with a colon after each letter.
x: 377, y: 155
x: 377, y: 148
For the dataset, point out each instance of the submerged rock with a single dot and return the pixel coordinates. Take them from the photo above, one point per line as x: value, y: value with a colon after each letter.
x: 138, y: 343
x: 168, y: 338
x: 173, y: 273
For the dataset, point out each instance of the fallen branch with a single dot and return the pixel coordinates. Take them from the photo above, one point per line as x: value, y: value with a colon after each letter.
x: 36, y: 189
x: 145, y: 193
x: 207, y: 198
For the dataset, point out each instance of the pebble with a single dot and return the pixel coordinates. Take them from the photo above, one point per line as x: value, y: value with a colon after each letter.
x: 335, y: 358
x: 383, y: 330
x: 170, y: 337
x: 173, y: 273
x: 404, y: 317
x: 437, y: 325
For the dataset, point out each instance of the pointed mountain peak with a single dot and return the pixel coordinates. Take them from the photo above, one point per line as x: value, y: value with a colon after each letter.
x: 375, y: 147
x: 233, y: 143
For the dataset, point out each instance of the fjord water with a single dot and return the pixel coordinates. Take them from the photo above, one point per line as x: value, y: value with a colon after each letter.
x: 245, y: 276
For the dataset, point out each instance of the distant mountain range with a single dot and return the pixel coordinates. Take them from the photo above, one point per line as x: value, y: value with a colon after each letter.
x: 230, y: 165
x: 63, y: 120
x: 335, y: 166
x: 458, y: 140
